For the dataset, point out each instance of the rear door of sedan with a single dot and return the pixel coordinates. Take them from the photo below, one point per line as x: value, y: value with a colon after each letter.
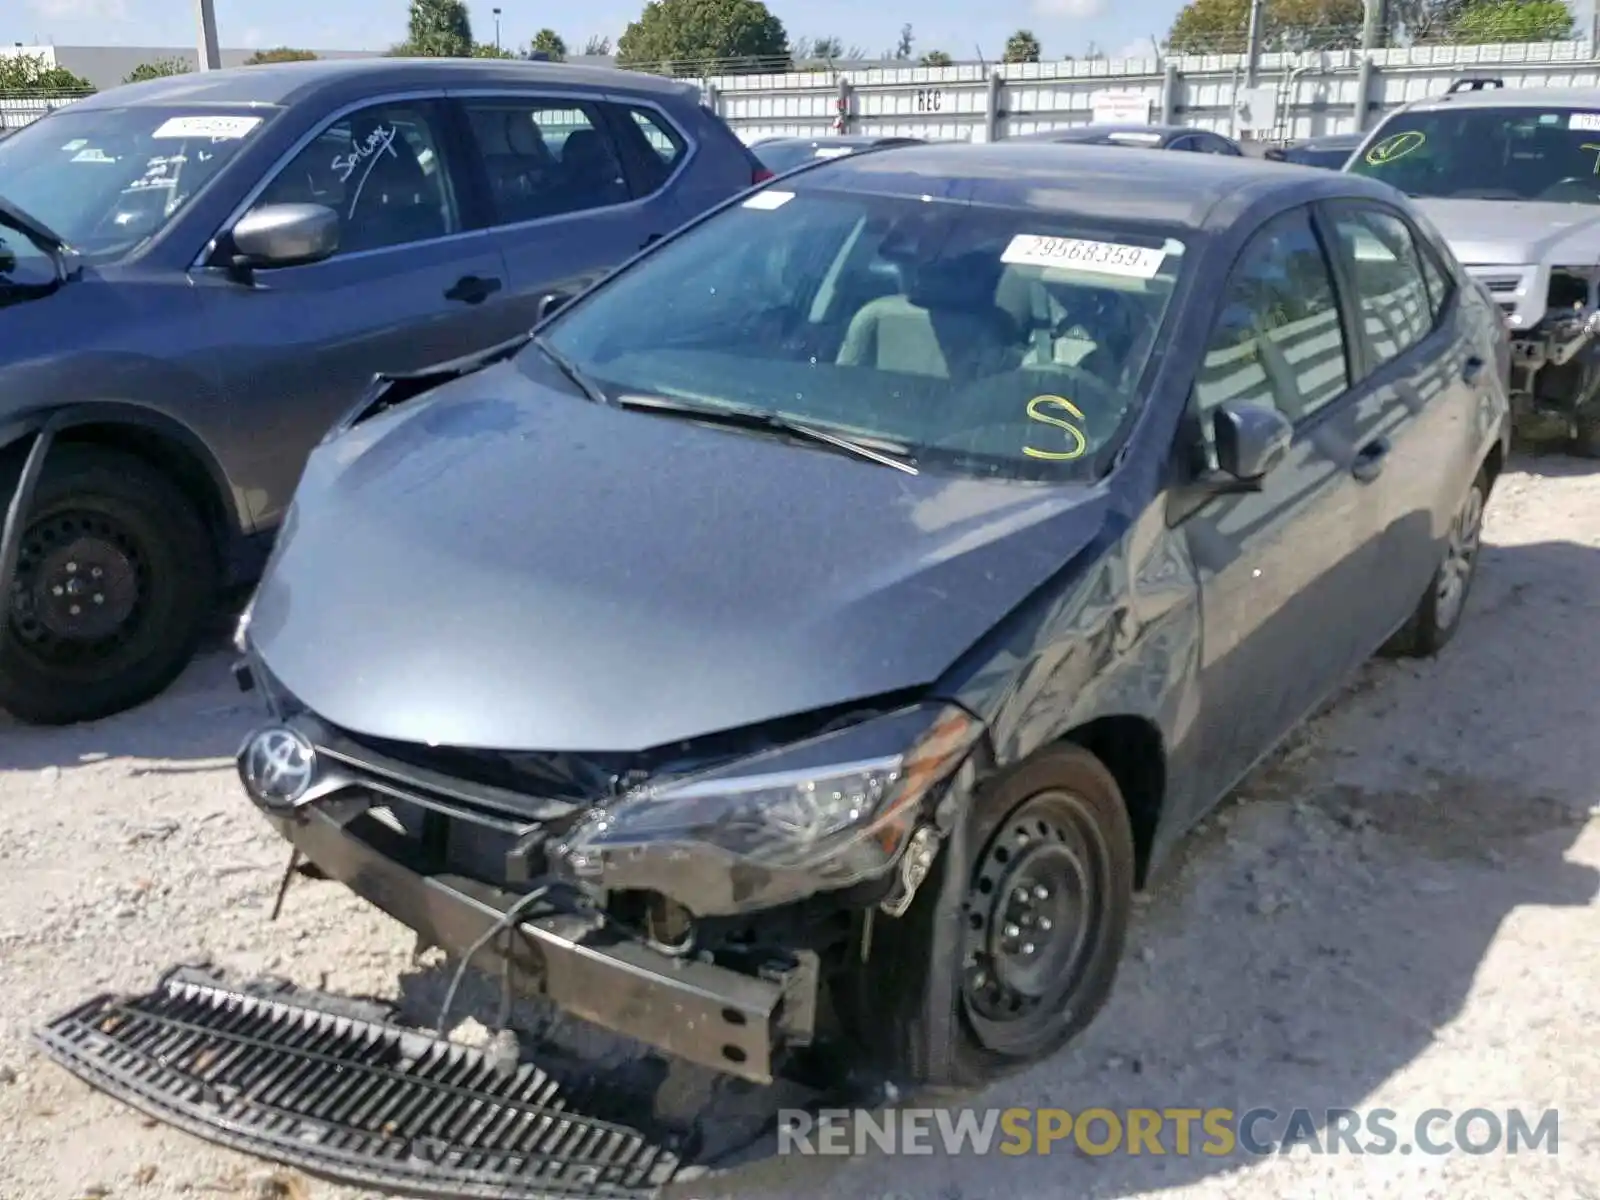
x: 1421, y: 370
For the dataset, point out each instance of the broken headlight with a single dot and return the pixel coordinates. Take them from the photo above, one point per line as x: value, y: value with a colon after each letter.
x: 814, y: 816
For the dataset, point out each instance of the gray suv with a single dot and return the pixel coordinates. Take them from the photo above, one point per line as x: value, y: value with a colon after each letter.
x: 199, y: 275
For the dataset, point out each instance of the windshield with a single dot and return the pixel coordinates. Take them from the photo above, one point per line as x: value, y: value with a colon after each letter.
x: 1331, y: 158
x: 1472, y: 153
x: 991, y: 341
x: 106, y: 180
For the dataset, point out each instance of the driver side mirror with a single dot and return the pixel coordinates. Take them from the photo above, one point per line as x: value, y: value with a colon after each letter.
x: 1251, y: 440
x: 285, y: 235
x: 549, y: 303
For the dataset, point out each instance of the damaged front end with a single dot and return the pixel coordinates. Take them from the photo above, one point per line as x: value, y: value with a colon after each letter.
x: 1553, y: 317
x: 695, y: 899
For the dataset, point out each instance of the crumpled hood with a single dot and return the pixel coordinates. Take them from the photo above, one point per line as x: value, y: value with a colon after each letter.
x: 1514, y: 233
x: 501, y: 565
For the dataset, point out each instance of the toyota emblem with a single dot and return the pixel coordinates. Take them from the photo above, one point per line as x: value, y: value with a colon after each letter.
x: 277, y: 765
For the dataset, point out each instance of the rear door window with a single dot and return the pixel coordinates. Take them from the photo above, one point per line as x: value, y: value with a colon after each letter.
x: 652, y: 146
x: 544, y: 157
x: 1382, y: 257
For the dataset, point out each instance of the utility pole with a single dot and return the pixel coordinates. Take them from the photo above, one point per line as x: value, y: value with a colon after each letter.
x: 497, y: 29
x: 1372, y: 24
x: 1252, y: 47
x: 210, y: 56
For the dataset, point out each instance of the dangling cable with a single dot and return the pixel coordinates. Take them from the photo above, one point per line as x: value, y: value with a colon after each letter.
x: 507, y: 920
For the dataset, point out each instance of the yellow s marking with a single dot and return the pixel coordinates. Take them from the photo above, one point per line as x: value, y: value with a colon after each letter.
x: 1079, y: 442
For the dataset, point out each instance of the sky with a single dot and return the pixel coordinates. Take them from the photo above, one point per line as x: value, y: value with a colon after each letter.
x: 1119, y: 28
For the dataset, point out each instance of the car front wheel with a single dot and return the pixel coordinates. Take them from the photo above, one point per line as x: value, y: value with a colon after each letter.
x: 1033, y: 944
x: 115, y: 579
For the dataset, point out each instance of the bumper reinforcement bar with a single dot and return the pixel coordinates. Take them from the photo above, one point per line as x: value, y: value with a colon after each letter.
x: 334, y: 1088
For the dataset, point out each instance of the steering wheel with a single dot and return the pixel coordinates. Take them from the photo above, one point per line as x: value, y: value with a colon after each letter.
x: 1589, y: 187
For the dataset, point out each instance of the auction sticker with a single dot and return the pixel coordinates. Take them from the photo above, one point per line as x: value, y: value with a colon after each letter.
x: 222, y: 128
x: 1078, y: 254
x: 1587, y: 122
x: 769, y: 200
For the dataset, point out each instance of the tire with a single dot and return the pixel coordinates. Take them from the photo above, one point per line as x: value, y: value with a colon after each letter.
x: 1586, y: 443
x: 1438, y: 614
x: 901, y: 1007
x: 99, y: 510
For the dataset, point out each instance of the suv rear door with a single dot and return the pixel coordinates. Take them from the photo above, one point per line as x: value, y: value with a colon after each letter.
x: 565, y: 197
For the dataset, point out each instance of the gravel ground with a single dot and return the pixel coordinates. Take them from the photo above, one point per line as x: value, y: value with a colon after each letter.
x: 1399, y: 911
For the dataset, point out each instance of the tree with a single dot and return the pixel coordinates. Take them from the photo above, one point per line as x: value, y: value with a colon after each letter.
x: 1514, y: 21
x: 936, y: 58
x: 438, y: 29
x: 597, y: 47
x: 1021, y: 47
x: 32, y: 75
x: 281, y: 54
x: 490, y: 50
x: 548, y: 42
x: 827, y: 47
x: 691, y: 35
x: 159, y: 69
x: 902, y: 50
x: 1221, y: 26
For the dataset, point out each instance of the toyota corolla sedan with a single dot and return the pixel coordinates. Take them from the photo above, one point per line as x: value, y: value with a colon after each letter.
x: 847, y: 604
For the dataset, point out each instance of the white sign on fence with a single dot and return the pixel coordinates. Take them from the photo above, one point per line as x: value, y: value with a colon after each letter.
x: 1121, y: 108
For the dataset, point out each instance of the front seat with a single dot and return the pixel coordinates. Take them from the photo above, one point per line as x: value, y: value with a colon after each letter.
x: 392, y: 202
x: 946, y: 324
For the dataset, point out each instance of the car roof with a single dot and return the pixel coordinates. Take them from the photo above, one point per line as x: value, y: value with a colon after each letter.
x: 1508, y: 97
x: 1098, y: 182
x: 291, y: 82
x: 833, y: 139
x: 1085, y: 132
x: 1330, y: 141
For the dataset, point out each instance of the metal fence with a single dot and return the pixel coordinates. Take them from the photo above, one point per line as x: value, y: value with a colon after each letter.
x: 18, y: 110
x: 1294, y: 94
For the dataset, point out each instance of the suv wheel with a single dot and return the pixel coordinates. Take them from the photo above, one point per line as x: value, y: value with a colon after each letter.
x: 1034, y: 946
x: 116, y: 577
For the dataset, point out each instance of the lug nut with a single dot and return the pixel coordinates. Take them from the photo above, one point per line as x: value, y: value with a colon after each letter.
x: 71, y: 567
x: 1020, y: 895
x: 1041, y: 893
x: 1044, y: 924
x: 1027, y: 947
x: 1012, y: 931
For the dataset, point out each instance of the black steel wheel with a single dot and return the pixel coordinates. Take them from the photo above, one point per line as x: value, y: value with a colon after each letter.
x: 1012, y: 944
x: 115, y: 578
x: 1034, y: 912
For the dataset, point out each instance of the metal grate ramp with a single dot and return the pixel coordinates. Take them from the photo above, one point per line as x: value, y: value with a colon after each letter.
x: 322, y: 1085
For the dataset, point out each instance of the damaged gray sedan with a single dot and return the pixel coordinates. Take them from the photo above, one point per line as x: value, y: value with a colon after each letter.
x: 822, y: 627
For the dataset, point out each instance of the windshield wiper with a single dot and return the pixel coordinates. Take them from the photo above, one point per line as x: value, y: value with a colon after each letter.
x: 583, y: 383
x: 882, y: 451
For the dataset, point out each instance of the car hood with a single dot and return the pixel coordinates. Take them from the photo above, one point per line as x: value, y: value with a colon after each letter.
x: 1513, y: 233
x: 501, y: 565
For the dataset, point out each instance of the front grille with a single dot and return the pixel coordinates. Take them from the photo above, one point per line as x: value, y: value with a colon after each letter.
x: 316, y: 1083
x: 572, y: 778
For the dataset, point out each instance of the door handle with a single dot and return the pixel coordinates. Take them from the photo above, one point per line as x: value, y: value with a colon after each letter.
x: 472, y: 289
x: 1472, y: 368
x: 1369, y: 460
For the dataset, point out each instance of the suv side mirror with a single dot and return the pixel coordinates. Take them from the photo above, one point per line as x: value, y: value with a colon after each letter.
x: 285, y: 235
x: 1252, y: 440
x: 549, y: 303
